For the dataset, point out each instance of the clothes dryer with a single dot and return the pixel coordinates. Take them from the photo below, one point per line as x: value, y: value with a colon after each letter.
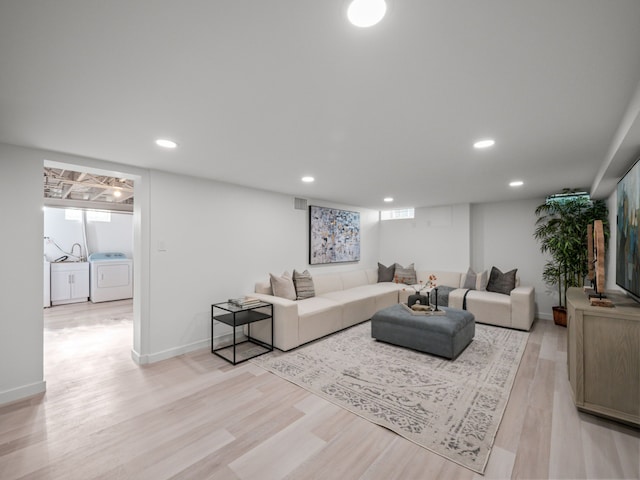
x: 111, y: 277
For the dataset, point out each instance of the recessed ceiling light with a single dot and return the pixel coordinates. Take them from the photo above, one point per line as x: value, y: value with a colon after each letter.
x: 166, y: 143
x: 117, y: 193
x: 516, y: 183
x: 308, y: 179
x: 366, y: 13
x: 486, y: 143
x: 388, y: 199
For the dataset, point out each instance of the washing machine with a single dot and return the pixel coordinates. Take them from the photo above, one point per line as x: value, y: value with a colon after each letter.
x: 111, y: 277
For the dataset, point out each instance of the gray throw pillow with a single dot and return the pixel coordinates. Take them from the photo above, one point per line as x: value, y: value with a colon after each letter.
x: 405, y: 275
x: 282, y: 286
x: 501, y: 282
x: 304, y: 285
x: 470, y: 280
x: 385, y: 274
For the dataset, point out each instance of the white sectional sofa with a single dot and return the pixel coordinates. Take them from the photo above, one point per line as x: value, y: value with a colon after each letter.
x: 347, y: 298
x: 516, y: 310
x: 341, y: 300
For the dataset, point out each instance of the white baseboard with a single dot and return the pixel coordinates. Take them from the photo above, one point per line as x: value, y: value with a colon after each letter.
x: 174, y: 352
x: 136, y: 357
x: 544, y: 316
x: 23, y: 392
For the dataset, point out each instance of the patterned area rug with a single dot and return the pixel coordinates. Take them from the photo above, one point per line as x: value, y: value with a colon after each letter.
x: 452, y: 408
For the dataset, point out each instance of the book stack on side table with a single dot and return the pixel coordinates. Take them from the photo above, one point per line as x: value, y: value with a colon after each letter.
x: 244, y: 302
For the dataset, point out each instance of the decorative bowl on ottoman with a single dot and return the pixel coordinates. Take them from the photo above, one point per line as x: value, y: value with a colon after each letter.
x: 444, y: 335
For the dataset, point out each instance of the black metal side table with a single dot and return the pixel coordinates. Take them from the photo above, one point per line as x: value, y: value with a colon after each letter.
x: 236, y: 316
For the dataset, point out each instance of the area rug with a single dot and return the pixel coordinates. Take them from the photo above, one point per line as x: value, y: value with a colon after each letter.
x: 451, y: 407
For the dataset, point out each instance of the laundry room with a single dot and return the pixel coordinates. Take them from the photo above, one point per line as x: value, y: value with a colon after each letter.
x: 88, y: 238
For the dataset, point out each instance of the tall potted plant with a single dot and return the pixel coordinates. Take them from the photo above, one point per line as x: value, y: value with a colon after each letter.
x: 561, y: 229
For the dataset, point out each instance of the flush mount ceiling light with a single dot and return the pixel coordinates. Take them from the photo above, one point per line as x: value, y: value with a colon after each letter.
x: 485, y: 143
x: 388, y: 199
x: 516, y: 183
x: 162, y: 142
x: 308, y: 179
x: 366, y: 13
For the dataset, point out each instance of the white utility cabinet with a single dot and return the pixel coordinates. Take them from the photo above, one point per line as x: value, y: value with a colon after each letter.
x: 69, y: 282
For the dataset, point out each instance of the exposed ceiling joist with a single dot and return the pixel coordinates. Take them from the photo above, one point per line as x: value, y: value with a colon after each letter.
x: 95, y: 191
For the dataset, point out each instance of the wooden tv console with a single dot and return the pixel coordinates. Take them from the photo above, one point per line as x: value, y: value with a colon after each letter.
x: 603, y: 356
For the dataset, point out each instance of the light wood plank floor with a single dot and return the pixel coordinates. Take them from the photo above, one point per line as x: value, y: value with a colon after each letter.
x: 195, y: 416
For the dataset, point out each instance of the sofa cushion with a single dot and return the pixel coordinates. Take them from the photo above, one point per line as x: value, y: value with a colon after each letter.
x: 328, y: 282
x: 282, y: 286
x: 263, y: 287
x: 372, y: 275
x: 489, y: 307
x: 385, y: 274
x: 352, y: 294
x: 318, y: 317
x: 304, y: 285
x: 357, y: 278
x: 501, y: 282
x: 358, y: 304
x: 405, y: 275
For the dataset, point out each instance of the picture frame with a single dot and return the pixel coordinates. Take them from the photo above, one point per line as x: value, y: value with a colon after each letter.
x: 334, y: 235
x: 628, y: 231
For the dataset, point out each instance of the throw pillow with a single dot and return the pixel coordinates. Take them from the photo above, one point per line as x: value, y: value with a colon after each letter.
x: 475, y: 281
x: 470, y: 280
x: 483, y: 278
x: 385, y: 274
x: 282, y: 286
x: 405, y: 275
x: 304, y: 285
x: 501, y: 282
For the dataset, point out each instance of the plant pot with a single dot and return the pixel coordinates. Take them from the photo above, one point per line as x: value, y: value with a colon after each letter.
x: 560, y: 316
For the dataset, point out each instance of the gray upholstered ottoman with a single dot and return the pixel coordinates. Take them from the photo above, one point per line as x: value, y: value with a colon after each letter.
x: 444, y: 335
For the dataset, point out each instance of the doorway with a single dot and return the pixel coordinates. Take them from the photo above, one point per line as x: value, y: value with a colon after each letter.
x: 95, y: 207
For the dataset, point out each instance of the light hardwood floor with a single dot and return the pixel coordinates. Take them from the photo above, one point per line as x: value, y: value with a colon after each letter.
x: 195, y: 416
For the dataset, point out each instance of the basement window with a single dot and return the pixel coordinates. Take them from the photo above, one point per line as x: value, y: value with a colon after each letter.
x: 399, y: 214
x: 73, y: 214
x: 98, y: 216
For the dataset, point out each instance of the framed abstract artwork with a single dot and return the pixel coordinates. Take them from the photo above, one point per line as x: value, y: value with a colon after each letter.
x: 628, y: 232
x: 334, y: 235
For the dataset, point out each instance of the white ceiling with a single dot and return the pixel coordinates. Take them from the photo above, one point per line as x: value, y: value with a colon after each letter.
x: 261, y: 93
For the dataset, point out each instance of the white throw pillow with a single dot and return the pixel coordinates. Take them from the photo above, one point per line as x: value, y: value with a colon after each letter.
x: 282, y: 286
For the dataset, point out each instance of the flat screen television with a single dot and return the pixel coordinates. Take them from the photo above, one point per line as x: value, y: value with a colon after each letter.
x: 628, y: 232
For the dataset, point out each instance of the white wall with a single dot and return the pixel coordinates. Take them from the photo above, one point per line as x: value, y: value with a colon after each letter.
x: 61, y: 232
x: 113, y: 236
x: 502, y: 236
x: 21, y: 281
x: 197, y: 242
x: 211, y: 241
x: 438, y: 238
x: 455, y: 237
